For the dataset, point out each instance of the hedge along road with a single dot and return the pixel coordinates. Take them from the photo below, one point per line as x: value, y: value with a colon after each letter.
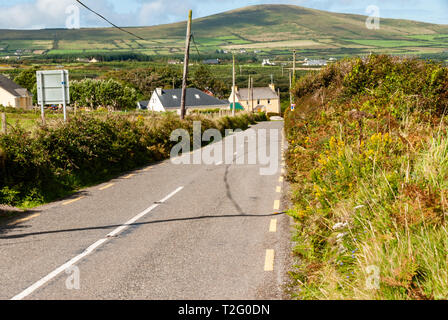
x: 164, y: 232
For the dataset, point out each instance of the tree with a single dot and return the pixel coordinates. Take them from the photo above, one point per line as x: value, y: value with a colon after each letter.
x: 109, y: 94
x: 204, y: 79
x: 27, y: 79
x: 145, y: 81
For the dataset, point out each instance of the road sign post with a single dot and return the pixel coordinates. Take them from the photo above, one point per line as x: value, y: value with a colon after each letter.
x: 64, y: 100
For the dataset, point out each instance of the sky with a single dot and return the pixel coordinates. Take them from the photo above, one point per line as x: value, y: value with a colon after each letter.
x: 39, y: 14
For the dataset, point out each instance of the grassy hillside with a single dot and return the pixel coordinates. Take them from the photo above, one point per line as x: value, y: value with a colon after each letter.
x: 368, y: 159
x: 269, y: 28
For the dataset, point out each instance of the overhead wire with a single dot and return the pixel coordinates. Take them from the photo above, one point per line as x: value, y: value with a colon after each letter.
x: 108, y: 21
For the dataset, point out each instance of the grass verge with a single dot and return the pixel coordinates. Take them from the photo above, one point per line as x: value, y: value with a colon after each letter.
x: 368, y: 161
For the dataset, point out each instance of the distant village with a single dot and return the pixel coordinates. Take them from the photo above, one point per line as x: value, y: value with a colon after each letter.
x: 258, y: 99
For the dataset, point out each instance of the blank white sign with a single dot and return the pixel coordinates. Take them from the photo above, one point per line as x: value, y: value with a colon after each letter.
x: 51, y: 86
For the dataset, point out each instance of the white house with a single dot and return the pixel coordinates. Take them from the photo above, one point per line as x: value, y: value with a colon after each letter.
x: 13, y: 95
x: 263, y: 99
x: 267, y: 62
x: 169, y: 100
x: 315, y: 62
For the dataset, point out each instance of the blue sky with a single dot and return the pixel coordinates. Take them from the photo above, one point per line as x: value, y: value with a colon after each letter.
x: 32, y: 14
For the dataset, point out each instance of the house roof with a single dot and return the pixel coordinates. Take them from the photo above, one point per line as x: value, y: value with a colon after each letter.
x: 143, y: 104
x: 238, y: 105
x: 12, y: 87
x: 259, y: 93
x: 170, y: 99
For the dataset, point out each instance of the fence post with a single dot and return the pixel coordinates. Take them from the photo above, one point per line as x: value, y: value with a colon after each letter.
x: 4, y: 130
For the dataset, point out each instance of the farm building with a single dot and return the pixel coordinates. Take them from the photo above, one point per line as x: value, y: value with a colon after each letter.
x: 13, y: 95
x: 212, y: 61
x: 169, y: 100
x: 315, y: 63
x: 267, y: 62
x: 260, y: 99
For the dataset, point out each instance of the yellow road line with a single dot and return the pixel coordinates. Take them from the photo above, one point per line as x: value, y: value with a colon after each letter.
x: 280, y: 179
x: 72, y: 201
x: 147, y: 169
x: 276, y: 204
x: 283, y: 171
x: 129, y: 176
x: 107, y: 186
x: 269, y: 261
x: 25, y: 219
x: 279, y: 189
x: 273, y: 226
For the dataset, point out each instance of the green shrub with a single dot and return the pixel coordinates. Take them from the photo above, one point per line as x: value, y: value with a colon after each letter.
x: 367, y: 159
x: 53, y: 161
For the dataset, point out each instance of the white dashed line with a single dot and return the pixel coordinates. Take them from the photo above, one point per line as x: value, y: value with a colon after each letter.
x: 90, y: 249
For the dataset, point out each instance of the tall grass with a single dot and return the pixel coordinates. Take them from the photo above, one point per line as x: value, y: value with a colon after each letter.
x: 369, y: 175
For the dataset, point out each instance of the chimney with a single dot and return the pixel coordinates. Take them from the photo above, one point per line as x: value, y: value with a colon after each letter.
x: 159, y: 91
x: 272, y: 86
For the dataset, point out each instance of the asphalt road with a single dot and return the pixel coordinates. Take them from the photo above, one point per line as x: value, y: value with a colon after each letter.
x: 163, y: 232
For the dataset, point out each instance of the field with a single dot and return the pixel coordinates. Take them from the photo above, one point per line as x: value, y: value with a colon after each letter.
x: 271, y: 29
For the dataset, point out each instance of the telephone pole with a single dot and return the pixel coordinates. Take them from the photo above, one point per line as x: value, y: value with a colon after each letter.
x: 233, y: 90
x: 186, y: 61
x: 248, y: 94
x: 294, y: 67
x: 290, y: 87
x: 252, y: 92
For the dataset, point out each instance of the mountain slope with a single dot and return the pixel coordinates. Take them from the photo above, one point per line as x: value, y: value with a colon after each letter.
x: 277, y: 26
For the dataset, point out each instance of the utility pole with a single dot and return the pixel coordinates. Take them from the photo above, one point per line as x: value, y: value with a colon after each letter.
x: 294, y: 67
x: 290, y: 87
x: 248, y: 94
x: 233, y: 90
x: 279, y: 102
x: 272, y: 79
x: 186, y: 61
x: 252, y: 92
x: 4, y: 130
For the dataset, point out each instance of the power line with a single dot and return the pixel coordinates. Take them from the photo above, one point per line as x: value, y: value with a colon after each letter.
x: 114, y: 25
x: 194, y: 41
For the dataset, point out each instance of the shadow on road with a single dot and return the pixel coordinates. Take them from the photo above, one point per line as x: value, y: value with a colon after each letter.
x: 24, y: 235
x: 9, y: 217
x: 13, y: 218
x: 229, y: 193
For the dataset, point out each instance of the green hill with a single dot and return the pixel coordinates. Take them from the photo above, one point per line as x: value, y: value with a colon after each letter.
x: 265, y: 28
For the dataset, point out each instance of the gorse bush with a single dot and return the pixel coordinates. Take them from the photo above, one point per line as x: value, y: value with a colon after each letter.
x: 368, y: 160
x: 51, y: 162
x: 372, y: 82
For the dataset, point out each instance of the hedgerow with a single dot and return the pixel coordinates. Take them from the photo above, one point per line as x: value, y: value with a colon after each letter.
x: 368, y: 160
x: 52, y: 162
